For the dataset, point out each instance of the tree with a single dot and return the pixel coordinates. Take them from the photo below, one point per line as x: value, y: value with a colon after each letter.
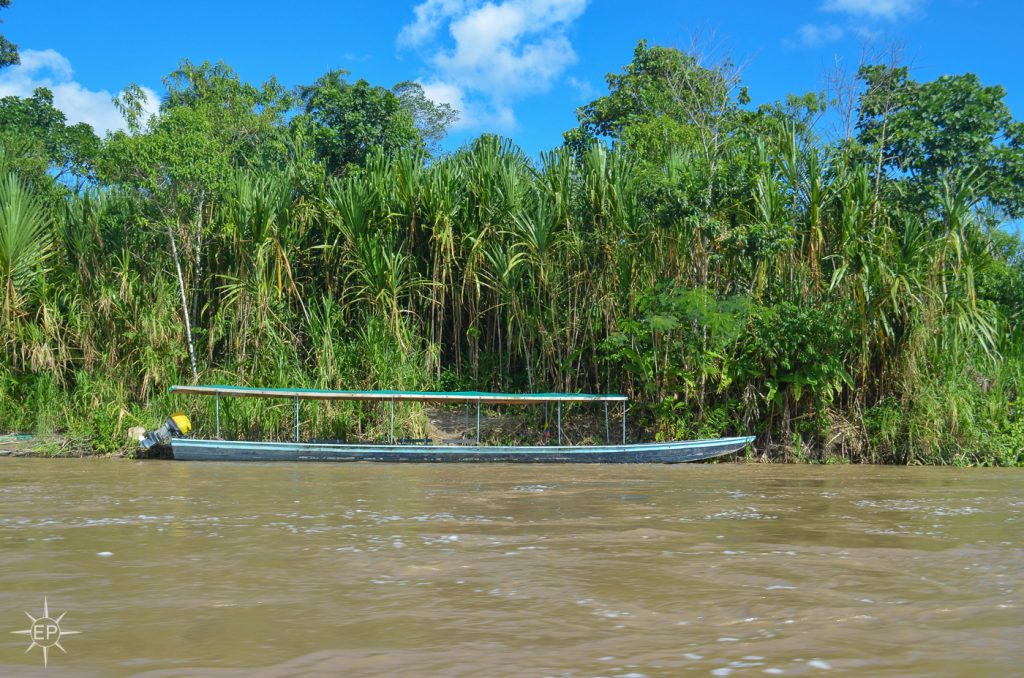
x: 922, y: 132
x: 209, y: 123
x: 8, y: 50
x: 347, y: 120
x: 664, y: 98
x: 431, y: 119
x: 70, y: 150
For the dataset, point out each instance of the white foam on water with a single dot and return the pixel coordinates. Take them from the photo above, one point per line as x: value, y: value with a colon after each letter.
x: 750, y: 514
x: 612, y: 614
x: 105, y: 554
x: 820, y: 664
x: 532, y: 488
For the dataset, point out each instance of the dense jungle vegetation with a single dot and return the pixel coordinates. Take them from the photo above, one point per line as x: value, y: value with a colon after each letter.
x: 731, y: 267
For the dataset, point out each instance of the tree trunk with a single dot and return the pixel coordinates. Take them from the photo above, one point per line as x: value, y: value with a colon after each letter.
x: 184, y: 306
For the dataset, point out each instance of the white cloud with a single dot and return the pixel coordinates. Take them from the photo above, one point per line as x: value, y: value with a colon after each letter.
x: 811, y: 35
x: 862, y: 19
x: 494, y: 54
x: 866, y: 34
x: 443, y: 93
x: 446, y: 93
x: 429, y: 17
x: 50, y: 69
x: 473, y: 114
x: 875, y: 9
x: 584, y: 90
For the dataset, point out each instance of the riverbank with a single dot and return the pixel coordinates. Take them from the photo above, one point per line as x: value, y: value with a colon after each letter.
x: 27, y: 445
x: 498, y: 426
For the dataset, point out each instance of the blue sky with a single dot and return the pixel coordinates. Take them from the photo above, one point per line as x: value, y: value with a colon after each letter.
x: 515, y: 67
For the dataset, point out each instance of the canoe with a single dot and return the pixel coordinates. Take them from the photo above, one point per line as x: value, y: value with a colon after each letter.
x: 175, y: 433
x: 193, y: 449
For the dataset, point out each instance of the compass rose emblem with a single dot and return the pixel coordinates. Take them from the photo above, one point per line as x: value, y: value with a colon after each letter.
x: 46, y: 632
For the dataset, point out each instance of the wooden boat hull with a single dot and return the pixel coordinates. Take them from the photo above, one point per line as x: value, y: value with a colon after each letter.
x: 194, y: 449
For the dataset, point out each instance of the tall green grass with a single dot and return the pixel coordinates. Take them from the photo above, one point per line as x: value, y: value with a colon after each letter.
x: 804, y: 308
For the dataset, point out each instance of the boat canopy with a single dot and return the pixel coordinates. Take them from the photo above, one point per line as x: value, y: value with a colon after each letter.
x: 413, y: 396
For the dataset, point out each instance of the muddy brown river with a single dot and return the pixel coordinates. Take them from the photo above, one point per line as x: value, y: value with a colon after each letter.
x: 203, y: 569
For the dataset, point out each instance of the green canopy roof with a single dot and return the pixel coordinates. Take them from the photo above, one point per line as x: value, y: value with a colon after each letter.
x: 416, y: 396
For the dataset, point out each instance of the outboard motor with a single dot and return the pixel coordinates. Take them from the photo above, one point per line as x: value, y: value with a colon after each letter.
x: 176, y: 426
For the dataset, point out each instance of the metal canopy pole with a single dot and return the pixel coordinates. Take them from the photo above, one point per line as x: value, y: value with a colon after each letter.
x: 296, y: 419
x: 623, y: 422
x: 559, y: 422
x: 392, y: 421
x: 607, y: 433
x: 477, y: 422
x: 216, y: 400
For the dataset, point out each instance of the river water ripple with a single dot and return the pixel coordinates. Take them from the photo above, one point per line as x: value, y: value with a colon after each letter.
x: 203, y: 569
